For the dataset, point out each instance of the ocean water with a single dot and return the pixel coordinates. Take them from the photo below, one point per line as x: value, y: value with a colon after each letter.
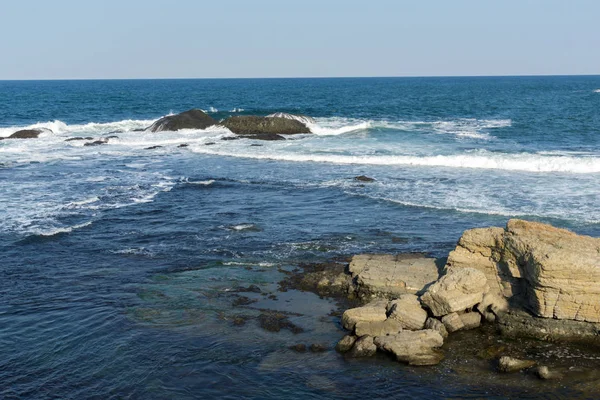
x: 118, y: 261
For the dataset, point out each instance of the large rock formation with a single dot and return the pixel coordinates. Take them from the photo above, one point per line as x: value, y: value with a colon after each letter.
x: 191, y: 119
x: 252, y: 125
x: 300, y: 118
x: 553, y: 272
x: 389, y: 276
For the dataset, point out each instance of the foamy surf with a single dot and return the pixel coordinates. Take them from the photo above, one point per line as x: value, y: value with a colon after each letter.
x: 526, y: 162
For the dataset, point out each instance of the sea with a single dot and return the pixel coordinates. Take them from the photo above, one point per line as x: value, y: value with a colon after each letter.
x: 120, y: 262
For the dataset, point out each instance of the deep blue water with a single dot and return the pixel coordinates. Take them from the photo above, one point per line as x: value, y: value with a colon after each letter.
x: 117, y: 261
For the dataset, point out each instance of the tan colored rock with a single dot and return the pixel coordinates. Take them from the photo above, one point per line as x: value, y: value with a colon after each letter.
x: 510, y: 364
x: 408, y: 311
x: 436, y: 325
x: 372, y: 312
x: 413, y: 347
x: 458, y: 290
x: 562, y: 269
x: 545, y: 373
x: 364, y: 347
x: 452, y: 322
x: 385, y: 275
x: 379, y: 328
x: 492, y: 305
x: 470, y: 320
x: 553, y: 272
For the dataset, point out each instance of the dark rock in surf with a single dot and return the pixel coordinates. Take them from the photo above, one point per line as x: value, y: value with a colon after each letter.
x: 264, y: 136
x: 183, y: 145
x: 95, y: 143
x: 28, y: 133
x: 300, y: 118
x: 191, y: 119
x: 253, y: 125
x: 153, y: 148
x: 78, y: 138
x: 274, y: 322
x: 363, y: 178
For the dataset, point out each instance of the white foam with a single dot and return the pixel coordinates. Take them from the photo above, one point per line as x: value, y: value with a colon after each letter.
x: 202, y: 183
x: 597, y: 91
x: 528, y: 162
x: 242, y: 227
x: 56, y: 231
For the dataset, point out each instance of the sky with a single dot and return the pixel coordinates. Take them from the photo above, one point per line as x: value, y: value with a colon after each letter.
x: 109, y: 39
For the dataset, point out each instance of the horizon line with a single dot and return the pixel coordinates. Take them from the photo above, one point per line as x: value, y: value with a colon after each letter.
x: 302, y: 77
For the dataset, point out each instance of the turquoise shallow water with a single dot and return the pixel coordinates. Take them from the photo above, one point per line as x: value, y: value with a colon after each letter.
x: 117, y: 261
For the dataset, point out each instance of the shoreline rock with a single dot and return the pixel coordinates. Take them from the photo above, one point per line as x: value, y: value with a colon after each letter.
x: 191, y: 119
x: 251, y: 125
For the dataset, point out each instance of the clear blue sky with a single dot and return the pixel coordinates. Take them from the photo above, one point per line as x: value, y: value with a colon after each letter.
x: 72, y: 39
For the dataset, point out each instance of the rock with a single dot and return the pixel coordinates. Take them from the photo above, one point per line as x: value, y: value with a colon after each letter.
x: 544, y: 372
x: 298, y: 348
x: 470, y: 320
x: 509, y: 364
x: 363, y: 178
x: 28, y: 133
x: 209, y: 143
x: 461, y: 322
x: 191, y: 119
x: 413, y: 347
x: 378, y: 328
x: 458, y: 290
x: 252, y: 125
x: 491, y: 306
x: 345, y: 343
x: 561, y: 268
x: 550, y: 271
x: 372, y: 312
x: 436, y: 325
x: 95, y: 143
x: 183, y: 145
x: 408, y: 311
x: 300, y: 118
x: 274, y: 322
x: 153, y: 148
x: 364, y: 347
x: 264, y: 136
x: 243, y: 301
x: 384, y: 275
x: 518, y: 323
x: 317, y: 348
x: 79, y: 138
x: 491, y: 352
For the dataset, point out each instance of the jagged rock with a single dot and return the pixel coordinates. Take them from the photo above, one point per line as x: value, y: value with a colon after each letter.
x: 372, y: 312
x: 436, y: 325
x: 384, y: 275
x: 379, y: 328
x: 459, y: 289
x: 364, y: 347
x: 191, y: 119
x: 408, y: 311
x: 252, y: 125
x: 413, y: 347
x: 28, y: 133
x: 300, y: 118
x: 510, y: 364
x: 346, y: 343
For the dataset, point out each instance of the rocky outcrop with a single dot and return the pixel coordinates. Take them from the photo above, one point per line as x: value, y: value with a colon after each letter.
x: 191, y: 119
x: 251, y: 125
x: 413, y: 347
x: 552, y: 272
x: 459, y: 289
x: 28, y: 133
x: 389, y: 276
x: 510, y: 364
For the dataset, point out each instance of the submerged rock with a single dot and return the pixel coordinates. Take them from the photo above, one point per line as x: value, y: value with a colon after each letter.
x: 253, y: 125
x: 275, y: 322
x: 191, y: 119
x: 363, y: 178
x: 79, y: 138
